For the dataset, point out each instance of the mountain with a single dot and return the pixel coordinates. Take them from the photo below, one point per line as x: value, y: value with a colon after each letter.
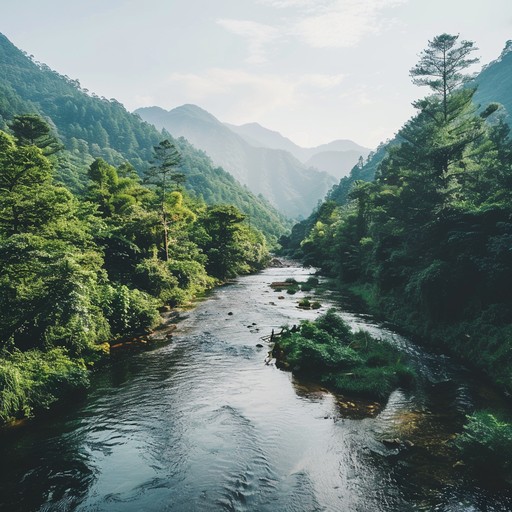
x: 275, y: 173
x: 336, y: 163
x: 495, y: 82
x: 336, y: 157
x: 91, y: 127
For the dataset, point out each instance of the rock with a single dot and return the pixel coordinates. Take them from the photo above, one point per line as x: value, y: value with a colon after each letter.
x: 230, y: 313
x: 281, y: 297
x: 259, y: 345
x: 274, y: 262
x: 392, y: 443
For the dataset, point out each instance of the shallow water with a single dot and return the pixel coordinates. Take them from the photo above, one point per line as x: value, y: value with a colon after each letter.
x: 204, y: 423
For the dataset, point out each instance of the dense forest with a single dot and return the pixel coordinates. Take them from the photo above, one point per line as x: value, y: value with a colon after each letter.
x: 79, y: 271
x: 91, y: 127
x: 423, y: 230
x: 102, y: 220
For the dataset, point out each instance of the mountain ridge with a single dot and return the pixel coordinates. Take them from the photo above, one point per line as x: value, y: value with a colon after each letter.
x: 92, y: 127
x: 275, y: 173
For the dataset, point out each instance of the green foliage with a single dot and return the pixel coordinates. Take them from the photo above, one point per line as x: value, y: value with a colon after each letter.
x: 353, y: 363
x: 231, y: 247
x: 31, y: 130
x: 486, y: 444
x: 91, y: 127
x: 78, y: 269
x: 35, y: 380
x: 428, y: 244
x: 129, y: 311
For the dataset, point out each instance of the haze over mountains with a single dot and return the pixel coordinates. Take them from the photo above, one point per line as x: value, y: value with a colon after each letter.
x: 336, y: 157
x: 265, y: 161
x: 91, y: 127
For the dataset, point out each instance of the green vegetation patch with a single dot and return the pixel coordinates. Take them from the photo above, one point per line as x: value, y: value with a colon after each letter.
x: 35, y: 380
x: 354, y: 363
x: 486, y: 445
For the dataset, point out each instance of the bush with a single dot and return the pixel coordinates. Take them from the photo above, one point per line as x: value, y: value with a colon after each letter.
x: 486, y: 444
x: 347, y: 362
x: 304, y: 303
x: 155, y: 277
x: 34, y: 380
x: 130, y: 311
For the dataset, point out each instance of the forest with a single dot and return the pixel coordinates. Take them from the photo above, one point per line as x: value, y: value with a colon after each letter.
x: 427, y: 243
x: 90, y: 127
x: 78, y: 271
x: 103, y: 219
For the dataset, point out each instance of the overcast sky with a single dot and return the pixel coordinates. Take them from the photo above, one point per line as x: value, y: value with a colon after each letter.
x: 314, y: 70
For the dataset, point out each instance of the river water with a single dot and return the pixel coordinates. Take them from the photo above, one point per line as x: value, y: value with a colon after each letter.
x: 203, y: 423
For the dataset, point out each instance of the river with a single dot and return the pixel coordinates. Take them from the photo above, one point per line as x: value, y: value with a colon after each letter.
x: 203, y: 423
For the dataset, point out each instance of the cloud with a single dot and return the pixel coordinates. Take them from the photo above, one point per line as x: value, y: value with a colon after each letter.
x: 334, y: 23
x: 254, y: 94
x: 258, y: 35
x: 317, y: 23
x: 343, y: 23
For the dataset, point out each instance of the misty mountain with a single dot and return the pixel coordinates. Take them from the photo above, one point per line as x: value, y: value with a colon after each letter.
x: 275, y: 173
x: 92, y: 127
x: 336, y: 157
x: 495, y: 82
x: 336, y: 163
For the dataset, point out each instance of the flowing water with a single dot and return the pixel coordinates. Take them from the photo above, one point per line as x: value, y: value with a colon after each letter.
x: 208, y: 423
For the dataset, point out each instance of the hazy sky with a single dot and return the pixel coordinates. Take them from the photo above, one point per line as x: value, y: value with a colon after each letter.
x: 314, y: 70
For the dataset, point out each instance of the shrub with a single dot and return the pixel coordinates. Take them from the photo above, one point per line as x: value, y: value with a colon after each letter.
x: 155, y: 277
x: 347, y: 362
x: 486, y: 444
x: 34, y: 380
x: 130, y: 311
x: 304, y: 303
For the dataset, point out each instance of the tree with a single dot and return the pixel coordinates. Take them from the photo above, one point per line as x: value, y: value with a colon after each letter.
x: 32, y: 130
x: 441, y: 65
x: 166, y: 158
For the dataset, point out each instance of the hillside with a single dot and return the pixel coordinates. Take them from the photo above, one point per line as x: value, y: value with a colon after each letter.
x: 276, y: 174
x: 495, y: 82
x: 336, y: 157
x: 422, y: 231
x: 91, y: 127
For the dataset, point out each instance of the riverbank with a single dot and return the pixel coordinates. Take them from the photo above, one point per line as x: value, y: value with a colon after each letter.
x: 204, y: 423
x: 485, y: 441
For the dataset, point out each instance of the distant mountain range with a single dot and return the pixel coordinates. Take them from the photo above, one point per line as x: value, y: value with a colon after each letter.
x: 292, y: 178
x: 493, y: 85
x: 275, y: 173
x: 90, y: 127
x: 336, y: 158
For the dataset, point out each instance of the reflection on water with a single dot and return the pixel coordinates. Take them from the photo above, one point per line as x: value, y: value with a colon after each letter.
x: 204, y: 424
